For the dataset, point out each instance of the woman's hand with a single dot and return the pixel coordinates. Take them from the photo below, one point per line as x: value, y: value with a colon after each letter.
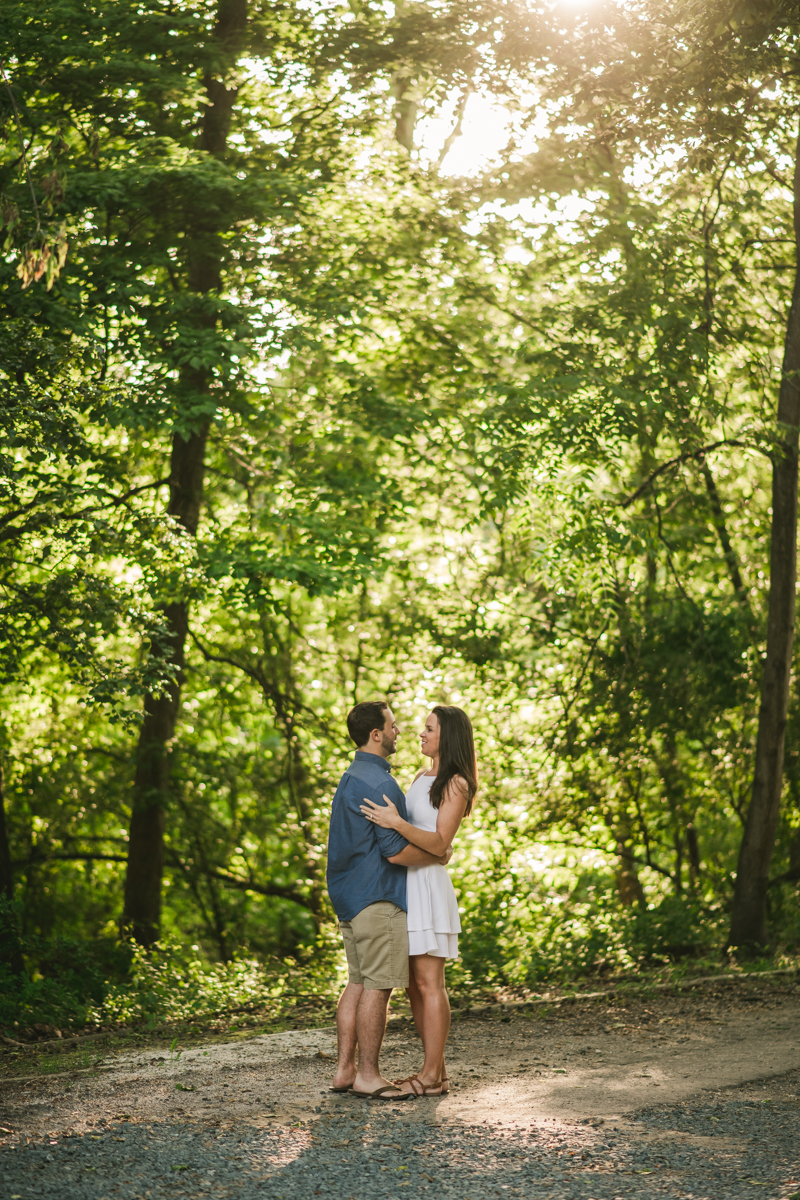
x: 387, y: 818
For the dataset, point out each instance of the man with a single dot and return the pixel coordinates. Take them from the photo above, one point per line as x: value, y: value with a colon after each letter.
x: 367, y: 887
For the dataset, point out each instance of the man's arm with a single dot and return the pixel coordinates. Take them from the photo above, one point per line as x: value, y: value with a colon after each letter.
x: 412, y: 856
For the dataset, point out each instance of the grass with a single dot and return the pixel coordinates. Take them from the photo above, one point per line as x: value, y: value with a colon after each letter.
x: 75, y: 1060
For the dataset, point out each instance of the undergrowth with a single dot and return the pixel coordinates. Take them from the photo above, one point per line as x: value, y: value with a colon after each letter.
x: 108, y: 984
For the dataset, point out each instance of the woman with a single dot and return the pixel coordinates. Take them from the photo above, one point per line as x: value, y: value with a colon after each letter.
x: 437, y: 802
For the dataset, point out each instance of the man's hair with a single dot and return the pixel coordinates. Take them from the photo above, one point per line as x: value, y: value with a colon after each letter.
x: 365, y: 717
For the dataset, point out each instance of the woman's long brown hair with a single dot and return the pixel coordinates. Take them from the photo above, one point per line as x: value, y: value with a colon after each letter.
x: 456, y: 754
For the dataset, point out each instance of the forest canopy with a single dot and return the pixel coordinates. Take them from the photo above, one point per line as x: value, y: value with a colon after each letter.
x: 440, y: 352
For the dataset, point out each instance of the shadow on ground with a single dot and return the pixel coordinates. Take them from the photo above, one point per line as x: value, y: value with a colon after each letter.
x: 741, y: 1143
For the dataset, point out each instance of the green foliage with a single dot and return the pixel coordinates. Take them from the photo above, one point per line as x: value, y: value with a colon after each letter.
x: 71, y: 983
x: 171, y: 984
x: 65, y: 984
x: 573, y: 937
x: 65, y: 515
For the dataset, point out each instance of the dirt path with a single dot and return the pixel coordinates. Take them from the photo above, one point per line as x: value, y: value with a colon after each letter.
x: 610, y: 1079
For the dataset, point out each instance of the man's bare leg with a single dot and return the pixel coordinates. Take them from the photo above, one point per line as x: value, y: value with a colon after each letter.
x: 370, y: 1028
x: 346, y: 1034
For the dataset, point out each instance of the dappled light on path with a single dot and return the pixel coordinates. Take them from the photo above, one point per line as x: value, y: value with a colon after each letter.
x: 585, y: 1103
x: 729, y: 1146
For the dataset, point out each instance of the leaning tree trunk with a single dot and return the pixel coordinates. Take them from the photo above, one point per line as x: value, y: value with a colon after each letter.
x: 748, y: 930
x: 143, y: 880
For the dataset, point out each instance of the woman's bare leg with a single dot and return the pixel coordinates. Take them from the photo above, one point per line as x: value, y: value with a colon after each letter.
x: 417, y: 1010
x: 431, y: 1009
x: 415, y: 1000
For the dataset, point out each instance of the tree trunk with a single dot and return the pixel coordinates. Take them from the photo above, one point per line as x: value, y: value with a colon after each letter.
x: 141, y: 917
x: 10, y: 951
x: 405, y: 111
x: 626, y: 876
x: 677, y: 874
x: 721, y: 527
x: 142, y: 909
x: 629, y: 887
x: 6, y: 877
x: 748, y: 931
x: 693, y: 847
x: 794, y: 855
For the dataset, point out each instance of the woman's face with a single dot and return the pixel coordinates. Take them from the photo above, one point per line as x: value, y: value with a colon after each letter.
x: 429, y: 738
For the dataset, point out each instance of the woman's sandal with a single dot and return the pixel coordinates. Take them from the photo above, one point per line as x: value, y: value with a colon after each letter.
x: 379, y: 1093
x: 445, y: 1085
x: 416, y: 1082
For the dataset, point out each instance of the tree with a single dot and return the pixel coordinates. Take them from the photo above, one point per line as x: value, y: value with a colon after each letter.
x: 203, y: 267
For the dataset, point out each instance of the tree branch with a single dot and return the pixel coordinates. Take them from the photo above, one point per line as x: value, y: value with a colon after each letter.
x: 251, y: 672
x: 115, y: 502
x: 728, y: 552
x: 261, y: 889
x: 687, y: 456
x: 32, y: 859
x: 16, y: 530
x: 455, y: 132
x: 792, y: 876
x: 118, y: 755
x: 242, y: 885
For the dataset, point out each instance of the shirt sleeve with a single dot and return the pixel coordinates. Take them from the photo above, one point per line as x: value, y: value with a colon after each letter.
x: 389, y: 840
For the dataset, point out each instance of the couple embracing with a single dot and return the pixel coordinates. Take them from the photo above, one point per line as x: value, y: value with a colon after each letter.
x: 388, y: 883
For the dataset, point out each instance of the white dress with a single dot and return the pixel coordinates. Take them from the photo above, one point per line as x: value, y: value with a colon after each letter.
x: 433, y: 924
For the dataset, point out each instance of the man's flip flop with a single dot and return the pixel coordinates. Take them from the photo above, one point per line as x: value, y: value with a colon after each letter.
x: 378, y: 1094
x: 344, y: 1089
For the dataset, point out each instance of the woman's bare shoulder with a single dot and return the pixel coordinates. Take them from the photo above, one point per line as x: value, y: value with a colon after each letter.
x: 457, y: 788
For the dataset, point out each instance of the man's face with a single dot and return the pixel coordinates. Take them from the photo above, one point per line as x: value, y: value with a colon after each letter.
x: 389, y: 734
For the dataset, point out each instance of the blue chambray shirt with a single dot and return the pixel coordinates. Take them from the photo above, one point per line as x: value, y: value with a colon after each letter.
x: 358, y: 871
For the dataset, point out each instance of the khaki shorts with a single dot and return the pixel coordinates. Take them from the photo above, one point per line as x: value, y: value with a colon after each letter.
x: 376, y: 944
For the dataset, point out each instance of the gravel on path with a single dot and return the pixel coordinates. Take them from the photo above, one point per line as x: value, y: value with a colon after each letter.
x: 738, y: 1145
x: 558, y: 1105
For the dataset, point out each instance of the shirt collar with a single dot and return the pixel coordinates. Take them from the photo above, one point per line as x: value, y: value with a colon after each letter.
x: 365, y: 756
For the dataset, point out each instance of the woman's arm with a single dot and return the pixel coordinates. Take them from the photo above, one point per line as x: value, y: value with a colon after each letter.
x: 450, y: 816
x: 412, y: 856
